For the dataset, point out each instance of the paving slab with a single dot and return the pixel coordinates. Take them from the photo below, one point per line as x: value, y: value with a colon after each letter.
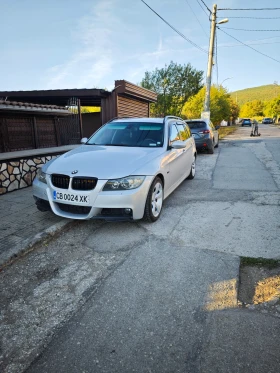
x: 22, y: 225
x: 240, y: 228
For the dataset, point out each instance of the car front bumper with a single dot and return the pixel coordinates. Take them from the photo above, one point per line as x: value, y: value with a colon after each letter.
x: 109, y: 205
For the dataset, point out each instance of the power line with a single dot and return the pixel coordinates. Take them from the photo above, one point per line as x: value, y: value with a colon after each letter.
x: 248, y: 45
x: 253, y: 17
x: 253, y: 40
x: 248, y: 9
x: 238, y: 45
x: 173, y: 28
x: 197, y: 18
x: 206, y: 6
x: 242, y: 29
x: 270, y: 37
x: 202, y: 8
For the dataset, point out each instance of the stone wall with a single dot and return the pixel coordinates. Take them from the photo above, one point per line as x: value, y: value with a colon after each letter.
x: 17, y: 174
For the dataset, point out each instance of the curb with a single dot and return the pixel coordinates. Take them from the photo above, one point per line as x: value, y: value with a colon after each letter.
x: 26, y: 245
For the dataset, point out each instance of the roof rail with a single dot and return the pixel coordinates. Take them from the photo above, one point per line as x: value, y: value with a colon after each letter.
x: 170, y: 117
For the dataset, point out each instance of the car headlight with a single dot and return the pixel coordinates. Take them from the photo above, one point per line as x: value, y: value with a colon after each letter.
x: 41, y: 176
x: 125, y: 183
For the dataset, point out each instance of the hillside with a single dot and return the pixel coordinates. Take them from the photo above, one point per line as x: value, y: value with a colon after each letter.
x: 263, y: 93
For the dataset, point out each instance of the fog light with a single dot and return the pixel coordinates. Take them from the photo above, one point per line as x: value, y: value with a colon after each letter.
x: 127, y: 211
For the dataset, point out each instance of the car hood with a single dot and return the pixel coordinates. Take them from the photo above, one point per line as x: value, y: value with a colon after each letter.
x: 103, y: 162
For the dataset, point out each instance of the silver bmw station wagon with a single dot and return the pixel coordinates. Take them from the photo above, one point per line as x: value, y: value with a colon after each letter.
x: 124, y: 171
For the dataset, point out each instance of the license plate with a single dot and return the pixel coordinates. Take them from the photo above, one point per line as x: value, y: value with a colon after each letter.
x: 77, y: 199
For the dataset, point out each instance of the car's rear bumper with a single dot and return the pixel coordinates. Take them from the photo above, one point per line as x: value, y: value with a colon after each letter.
x: 203, y: 143
x: 112, y: 205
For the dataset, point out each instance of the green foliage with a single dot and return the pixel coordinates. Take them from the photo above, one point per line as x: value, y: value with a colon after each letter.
x: 221, y: 105
x: 272, y: 108
x: 263, y: 93
x: 252, y: 109
x: 174, y: 84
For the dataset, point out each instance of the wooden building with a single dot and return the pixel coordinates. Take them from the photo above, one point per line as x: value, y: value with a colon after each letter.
x: 47, y: 118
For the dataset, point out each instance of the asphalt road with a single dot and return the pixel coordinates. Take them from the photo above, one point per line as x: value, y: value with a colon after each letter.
x: 138, y: 297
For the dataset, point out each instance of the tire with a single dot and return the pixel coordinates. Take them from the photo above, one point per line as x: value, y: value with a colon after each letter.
x: 211, y: 149
x: 192, y: 171
x: 217, y: 145
x: 154, y: 201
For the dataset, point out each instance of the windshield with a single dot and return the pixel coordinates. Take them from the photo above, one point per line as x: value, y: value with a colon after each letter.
x: 136, y: 134
x: 193, y: 125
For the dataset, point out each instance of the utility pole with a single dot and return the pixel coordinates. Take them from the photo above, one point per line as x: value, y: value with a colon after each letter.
x: 210, y: 63
x: 206, y: 109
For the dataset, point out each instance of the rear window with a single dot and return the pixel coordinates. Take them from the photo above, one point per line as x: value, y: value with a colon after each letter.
x: 194, y: 125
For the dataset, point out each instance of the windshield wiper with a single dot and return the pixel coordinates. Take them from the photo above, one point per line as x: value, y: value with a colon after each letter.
x: 111, y: 145
x: 114, y: 145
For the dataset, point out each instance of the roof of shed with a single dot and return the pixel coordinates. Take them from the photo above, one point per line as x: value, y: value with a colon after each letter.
x: 24, y: 106
x: 87, y: 96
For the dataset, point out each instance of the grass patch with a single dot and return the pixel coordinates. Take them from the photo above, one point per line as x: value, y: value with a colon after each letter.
x: 259, y: 262
x: 225, y: 131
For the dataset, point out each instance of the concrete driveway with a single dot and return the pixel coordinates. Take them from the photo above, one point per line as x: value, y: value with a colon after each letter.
x: 138, y: 297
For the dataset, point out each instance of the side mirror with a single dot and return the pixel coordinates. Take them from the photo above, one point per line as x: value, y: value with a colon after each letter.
x: 84, y: 140
x: 178, y: 145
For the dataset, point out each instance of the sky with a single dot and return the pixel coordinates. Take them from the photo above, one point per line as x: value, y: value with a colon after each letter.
x: 59, y: 44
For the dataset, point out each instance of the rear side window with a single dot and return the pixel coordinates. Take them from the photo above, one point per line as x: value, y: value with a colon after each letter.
x: 194, y: 125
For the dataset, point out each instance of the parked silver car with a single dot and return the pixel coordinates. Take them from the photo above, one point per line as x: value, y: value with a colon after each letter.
x: 123, y: 172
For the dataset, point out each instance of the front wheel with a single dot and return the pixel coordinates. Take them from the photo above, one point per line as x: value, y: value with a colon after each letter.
x: 192, y: 172
x: 154, y: 201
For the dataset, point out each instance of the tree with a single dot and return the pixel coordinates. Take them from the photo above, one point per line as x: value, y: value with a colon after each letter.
x: 221, y: 105
x: 272, y: 108
x: 234, y: 110
x: 174, y: 84
x: 252, y: 109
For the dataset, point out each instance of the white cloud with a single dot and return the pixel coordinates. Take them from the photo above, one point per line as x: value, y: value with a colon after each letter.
x: 93, y: 60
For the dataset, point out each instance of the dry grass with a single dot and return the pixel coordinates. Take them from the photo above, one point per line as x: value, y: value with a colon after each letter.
x: 225, y: 131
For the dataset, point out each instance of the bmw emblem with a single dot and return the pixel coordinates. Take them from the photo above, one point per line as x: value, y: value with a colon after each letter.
x: 74, y: 172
